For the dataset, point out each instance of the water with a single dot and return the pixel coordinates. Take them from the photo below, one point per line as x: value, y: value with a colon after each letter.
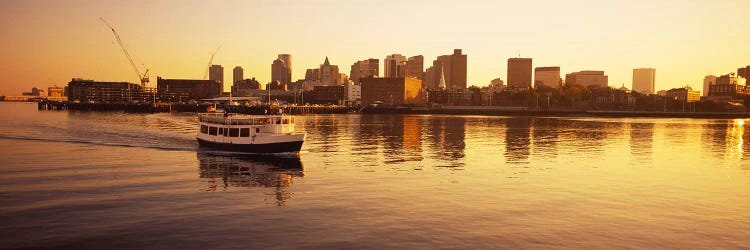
x: 102, y: 180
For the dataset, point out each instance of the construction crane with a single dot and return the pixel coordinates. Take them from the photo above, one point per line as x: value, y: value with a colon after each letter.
x: 210, y: 60
x: 142, y: 77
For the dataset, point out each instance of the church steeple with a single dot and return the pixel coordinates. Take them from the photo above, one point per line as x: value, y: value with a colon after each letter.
x: 442, y: 78
x: 326, y: 62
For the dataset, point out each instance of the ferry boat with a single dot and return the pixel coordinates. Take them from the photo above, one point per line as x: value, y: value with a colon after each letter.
x: 265, y: 134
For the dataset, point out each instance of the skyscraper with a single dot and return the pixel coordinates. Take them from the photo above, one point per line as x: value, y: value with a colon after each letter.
x: 707, y: 81
x: 363, y: 69
x: 281, y: 69
x: 547, y: 76
x: 237, y: 74
x: 329, y: 74
x: 644, y: 80
x: 415, y: 67
x: 519, y: 72
x: 288, y: 59
x: 394, y: 65
x: 216, y: 73
x: 312, y: 75
x: 453, y: 69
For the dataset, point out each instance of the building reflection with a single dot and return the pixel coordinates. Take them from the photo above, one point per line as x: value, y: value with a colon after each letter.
x: 714, y: 138
x: 326, y: 130
x: 545, y: 135
x: 251, y: 171
x: 446, y: 136
x: 641, y: 140
x: 517, y: 139
x: 727, y: 140
x: 592, y: 135
x: 399, y: 135
x: 735, y: 140
x: 676, y: 133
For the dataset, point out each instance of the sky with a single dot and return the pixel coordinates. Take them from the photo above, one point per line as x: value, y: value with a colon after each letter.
x: 47, y: 43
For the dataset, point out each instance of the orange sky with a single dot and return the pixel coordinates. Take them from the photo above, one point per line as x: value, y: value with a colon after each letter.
x: 47, y: 43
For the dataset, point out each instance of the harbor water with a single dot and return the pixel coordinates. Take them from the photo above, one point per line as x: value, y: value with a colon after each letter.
x: 71, y: 179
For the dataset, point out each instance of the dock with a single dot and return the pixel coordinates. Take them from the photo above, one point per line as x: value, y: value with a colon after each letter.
x: 196, y: 108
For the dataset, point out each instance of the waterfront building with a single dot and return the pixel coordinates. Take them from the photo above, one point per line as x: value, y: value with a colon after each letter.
x: 82, y: 90
x: 588, y: 78
x: 216, y: 73
x: 186, y: 89
x: 644, y: 80
x: 245, y: 87
x: 452, y: 97
x: 730, y: 80
x: 519, y: 73
x: 353, y: 94
x: 55, y: 92
x: 744, y: 72
x: 327, y: 94
x: 363, y: 69
x: 394, y: 65
x: 237, y: 74
x: 686, y: 94
x: 707, y: 81
x: 729, y: 88
x: 547, y: 76
x: 393, y: 91
x: 415, y: 67
x: 281, y: 69
x: 37, y: 91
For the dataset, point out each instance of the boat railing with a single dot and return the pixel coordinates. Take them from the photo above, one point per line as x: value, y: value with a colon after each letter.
x: 234, y: 119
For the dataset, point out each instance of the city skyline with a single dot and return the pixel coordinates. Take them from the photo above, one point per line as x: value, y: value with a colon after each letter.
x: 614, y: 37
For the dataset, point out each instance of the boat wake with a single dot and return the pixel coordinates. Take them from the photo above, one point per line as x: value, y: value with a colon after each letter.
x: 193, y: 147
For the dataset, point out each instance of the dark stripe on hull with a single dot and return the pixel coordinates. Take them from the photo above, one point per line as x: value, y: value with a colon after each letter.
x: 282, y: 147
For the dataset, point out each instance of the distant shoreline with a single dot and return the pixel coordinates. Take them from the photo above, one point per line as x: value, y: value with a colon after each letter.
x: 448, y: 110
x: 522, y: 111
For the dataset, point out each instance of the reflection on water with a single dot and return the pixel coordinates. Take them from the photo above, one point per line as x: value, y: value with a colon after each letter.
x: 446, y: 135
x: 517, y: 139
x: 727, y: 139
x: 103, y: 179
x: 545, y: 136
x: 641, y: 141
x: 251, y: 171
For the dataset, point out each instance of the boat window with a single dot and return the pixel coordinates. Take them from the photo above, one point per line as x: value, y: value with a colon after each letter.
x: 234, y: 132
x: 245, y: 132
x: 204, y: 129
x: 257, y: 130
x: 221, y: 131
x: 278, y: 120
x: 212, y: 130
x: 285, y: 121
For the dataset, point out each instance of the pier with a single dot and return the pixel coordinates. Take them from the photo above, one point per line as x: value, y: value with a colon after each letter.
x: 198, y: 108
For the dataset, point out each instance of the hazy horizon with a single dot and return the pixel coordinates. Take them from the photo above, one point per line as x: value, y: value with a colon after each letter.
x: 47, y: 43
